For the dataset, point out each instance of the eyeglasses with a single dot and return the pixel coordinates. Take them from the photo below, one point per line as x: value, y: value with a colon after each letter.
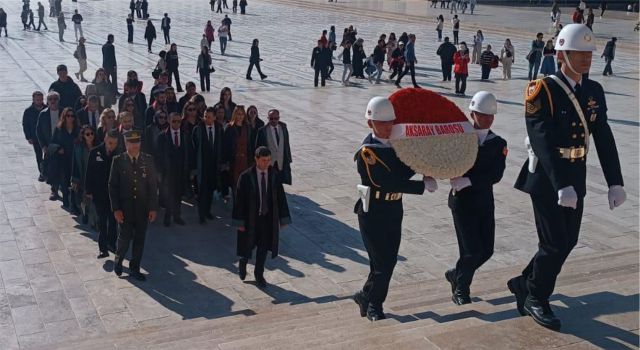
x: 88, y: 134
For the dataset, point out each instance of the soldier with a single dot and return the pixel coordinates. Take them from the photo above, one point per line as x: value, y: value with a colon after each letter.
x: 96, y: 188
x: 471, y: 199
x: 133, y: 190
x: 384, y: 179
x: 561, y: 112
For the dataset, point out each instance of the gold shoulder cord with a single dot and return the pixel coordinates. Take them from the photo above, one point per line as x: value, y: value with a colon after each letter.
x: 370, y: 158
x: 546, y: 87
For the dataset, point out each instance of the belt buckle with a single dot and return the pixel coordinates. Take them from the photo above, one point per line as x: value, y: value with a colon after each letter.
x: 576, y: 153
x: 393, y: 196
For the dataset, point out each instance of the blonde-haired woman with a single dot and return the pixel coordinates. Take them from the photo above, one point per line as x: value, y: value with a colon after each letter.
x: 237, y: 138
x: 106, y: 123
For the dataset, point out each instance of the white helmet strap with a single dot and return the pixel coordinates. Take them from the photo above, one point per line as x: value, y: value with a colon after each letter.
x: 565, y: 54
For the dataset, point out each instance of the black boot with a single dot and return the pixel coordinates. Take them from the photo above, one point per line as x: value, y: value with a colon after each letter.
x: 518, y: 287
x: 362, y: 302
x: 450, y: 276
x: 375, y: 313
x: 242, y: 268
x: 541, y: 312
x: 460, y: 297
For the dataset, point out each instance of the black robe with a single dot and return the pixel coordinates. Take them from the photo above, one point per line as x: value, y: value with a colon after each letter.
x: 261, y: 140
x: 246, y: 206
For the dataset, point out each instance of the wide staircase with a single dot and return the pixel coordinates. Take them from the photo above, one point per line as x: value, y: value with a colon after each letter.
x: 596, y: 297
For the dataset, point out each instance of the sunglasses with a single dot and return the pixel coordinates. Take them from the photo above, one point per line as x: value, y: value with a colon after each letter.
x: 88, y: 134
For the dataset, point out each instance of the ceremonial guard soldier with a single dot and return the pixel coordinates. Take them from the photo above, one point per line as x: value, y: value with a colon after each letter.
x: 562, y: 110
x: 471, y: 199
x: 133, y: 190
x: 97, y: 188
x: 384, y: 179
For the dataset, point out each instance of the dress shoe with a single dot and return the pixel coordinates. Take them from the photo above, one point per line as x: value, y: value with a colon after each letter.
x: 261, y: 282
x: 41, y: 178
x: 167, y: 220
x: 249, y: 77
x: 103, y: 255
x: 517, y: 286
x: 202, y: 220
x: 209, y: 216
x: 138, y: 275
x: 461, y: 298
x: 178, y: 220
x: 54, y: 196
x: 450, y: 276
x: 242, y: 269
x: 263, y: 77
x: 118, y: 269
x: 375, y: 313
x: 362, y: 302
x: 541, y: 313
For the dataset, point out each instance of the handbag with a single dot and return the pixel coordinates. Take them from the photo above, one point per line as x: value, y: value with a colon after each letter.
x: 495, y: 61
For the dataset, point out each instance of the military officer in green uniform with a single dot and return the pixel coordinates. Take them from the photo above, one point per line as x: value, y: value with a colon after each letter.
x: 384, y: 179
x: 562, y: 111
x: 133, y: 191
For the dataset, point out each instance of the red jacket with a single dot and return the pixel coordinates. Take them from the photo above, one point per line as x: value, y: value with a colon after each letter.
x: 460, y: 63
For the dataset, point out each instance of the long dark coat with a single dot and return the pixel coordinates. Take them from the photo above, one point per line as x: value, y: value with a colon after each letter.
x: 208, y: 160
x: 245, y: 210
x: 261, y: 140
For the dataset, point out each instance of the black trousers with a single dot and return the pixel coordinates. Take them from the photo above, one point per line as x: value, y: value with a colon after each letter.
x: 486, y: 70
x: 409, y: 67
x: 330, y: 68
x: 41, y: 23
x: 129, y: 34
x: 461, y: 83
x: 381, y: 231
x: 149, y: 43
x: 107, y: 226
x: 205, y: 197
x: 175, y: 73
x: 133, y: 231
x: 455, y: 37
x: 166, y: 36
x: 397, y: 69
x: 607, y: 67
x: 38, y: 151
x: 446, y: 70
x: 263, y: 233
x: 173, y: 191
x: 475, y: 230
x: 257, y: 64
x: 112, y: 74
x: 558, y: 229
x: 322, y: 72
x: 205, y: 80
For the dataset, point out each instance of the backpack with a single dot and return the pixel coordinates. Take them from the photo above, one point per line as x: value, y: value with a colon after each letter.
x: 508, y: 53
x: 75, y: 54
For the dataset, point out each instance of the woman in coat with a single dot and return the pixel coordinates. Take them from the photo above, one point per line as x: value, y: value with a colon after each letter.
x: 254, y: 60
x: 172, y: 66
x: 461, y: 68
x: 209, y: 34
x: 227, y: 103
x: 107, y: 122
x: 61, y: 148
x: 159, y: 125
x: 237, y: 146
x: 104, y: 89
x: 203, y: 67
x: 78, y: 170
x: 357, y: 59
x: 150, y: 34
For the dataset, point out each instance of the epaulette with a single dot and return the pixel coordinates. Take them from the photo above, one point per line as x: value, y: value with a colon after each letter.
x: 531, y: 94
x: 370, y: 159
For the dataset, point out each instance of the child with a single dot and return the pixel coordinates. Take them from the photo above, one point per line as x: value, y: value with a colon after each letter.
x: 471, y: 199
x: 370, y: 68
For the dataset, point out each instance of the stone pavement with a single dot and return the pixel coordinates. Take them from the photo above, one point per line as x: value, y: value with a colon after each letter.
x: 52, y: 288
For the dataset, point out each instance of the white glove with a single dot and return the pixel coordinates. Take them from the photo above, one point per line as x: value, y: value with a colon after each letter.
x: 459, y: 183
x: 567, y: 197
x: 617, y: 196
x: 430, y: 183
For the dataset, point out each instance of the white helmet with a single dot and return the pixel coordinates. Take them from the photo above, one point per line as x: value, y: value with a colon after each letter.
x: 380, y: 109
x: 575, y: 37
x: 484, y: 102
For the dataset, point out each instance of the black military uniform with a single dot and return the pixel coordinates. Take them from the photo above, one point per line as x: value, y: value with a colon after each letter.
x: 381, y: 169
x: 133, y: 189
x: 97, y: 181
x: 472, y: 209
x: 559, y: 139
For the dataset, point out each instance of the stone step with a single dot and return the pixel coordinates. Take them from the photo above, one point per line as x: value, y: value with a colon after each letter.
x: 310, y: 325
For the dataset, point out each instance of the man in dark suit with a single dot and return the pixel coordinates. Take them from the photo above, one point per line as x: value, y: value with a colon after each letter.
x: 47, y: 120
x: 207, y: 142
x: 90, y: 115
x: 133, y: 191
x: 96, y: 188
x: 165, y: 25
x: 260, y: 211
x: 609, y: 54
x: 29, y: 123
x: 275, y: 136
x: 109, y: 62
x: 174, y: 150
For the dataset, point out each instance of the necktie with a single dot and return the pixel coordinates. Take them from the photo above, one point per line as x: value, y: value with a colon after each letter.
x: 175, y: 139
x: 277, y: 136
x: 93, y: 119
x: 134, y: 162
x: 211, y: 135
x: 263, y: 195
x: 577, y: 91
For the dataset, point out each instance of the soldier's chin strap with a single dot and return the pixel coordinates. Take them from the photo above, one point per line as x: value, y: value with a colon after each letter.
x: 568, y: 62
